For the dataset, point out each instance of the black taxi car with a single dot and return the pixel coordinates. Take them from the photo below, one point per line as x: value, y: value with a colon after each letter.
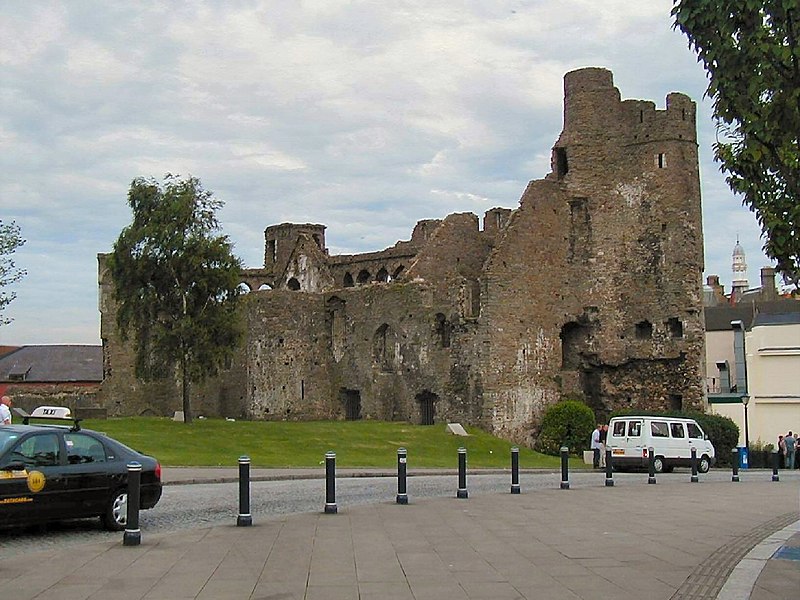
x: 57, y: 472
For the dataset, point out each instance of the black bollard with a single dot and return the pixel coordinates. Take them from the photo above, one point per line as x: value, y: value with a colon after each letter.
x: 609, y: 469
x: 462, y: 474
x: 330, y: 483
x: 651, y: 473
x: 775, y: 460
x: 133, y: 535
x: 735, y: 464
x: 564, y: 468
x: 515, y: 470
x: 694, y: 478
x: 402, y: 494
x: 245, y: 519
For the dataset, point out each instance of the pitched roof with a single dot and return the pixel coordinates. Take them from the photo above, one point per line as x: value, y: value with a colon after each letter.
x: 52, y: 364
x: 718, y: 318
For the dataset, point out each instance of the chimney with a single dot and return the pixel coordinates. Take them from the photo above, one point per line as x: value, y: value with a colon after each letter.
x: 768, y: 291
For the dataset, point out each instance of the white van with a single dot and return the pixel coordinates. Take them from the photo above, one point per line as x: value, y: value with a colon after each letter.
x: 672, y: 440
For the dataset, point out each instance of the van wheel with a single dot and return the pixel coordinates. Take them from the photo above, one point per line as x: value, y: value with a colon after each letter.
x: 658, y: 464
x: 704, y: 464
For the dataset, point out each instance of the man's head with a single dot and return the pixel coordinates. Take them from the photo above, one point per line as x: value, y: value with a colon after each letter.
x: 6, y: 400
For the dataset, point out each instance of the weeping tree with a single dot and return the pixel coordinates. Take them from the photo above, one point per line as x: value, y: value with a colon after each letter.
x: 10, y: 240
x: 176, y: 283
x: 751, y: 51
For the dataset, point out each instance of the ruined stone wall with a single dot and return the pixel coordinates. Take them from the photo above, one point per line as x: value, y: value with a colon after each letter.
x: 76, y: 396
x: 385, y: 345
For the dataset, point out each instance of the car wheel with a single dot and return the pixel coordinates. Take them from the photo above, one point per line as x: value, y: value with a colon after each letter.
x: 704, y: 464
x: 116, y: 515
x: 658, y: 464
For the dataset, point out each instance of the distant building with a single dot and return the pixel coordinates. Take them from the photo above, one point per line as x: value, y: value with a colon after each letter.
x: 56, y: 375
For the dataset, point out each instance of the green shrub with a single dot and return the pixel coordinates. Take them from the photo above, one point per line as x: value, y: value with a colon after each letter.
x: 721, y: 431
x: 568, y: 423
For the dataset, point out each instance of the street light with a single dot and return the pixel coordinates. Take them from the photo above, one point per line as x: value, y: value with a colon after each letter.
x: 745, y: 402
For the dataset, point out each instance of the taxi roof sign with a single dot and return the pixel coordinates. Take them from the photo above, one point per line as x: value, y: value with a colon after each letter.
x: 50, y: 413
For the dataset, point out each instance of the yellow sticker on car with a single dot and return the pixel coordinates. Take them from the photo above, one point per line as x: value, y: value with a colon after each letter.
x: 22, y: 474
x: 36, y: 481
x: 618, y: 451
x: 21, y: 500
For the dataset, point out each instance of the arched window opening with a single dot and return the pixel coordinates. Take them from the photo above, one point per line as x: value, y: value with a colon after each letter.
x: 348, y: 280
x: 427, y: 407
x: 443, y: 328
x: 574, y: 339
x: 243, y: 288
x: 383, y: 347
x: 293, y: 284
x: 363, y: 277
x: 382, y: 276
x: 264, y: 286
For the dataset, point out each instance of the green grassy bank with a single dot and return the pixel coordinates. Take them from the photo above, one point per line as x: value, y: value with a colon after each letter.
x: 216, y: 442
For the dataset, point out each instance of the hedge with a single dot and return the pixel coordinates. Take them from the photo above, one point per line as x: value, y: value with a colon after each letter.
x: 569, y: 423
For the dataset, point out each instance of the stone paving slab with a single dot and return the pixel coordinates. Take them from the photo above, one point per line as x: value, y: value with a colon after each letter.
x: 620, y: 543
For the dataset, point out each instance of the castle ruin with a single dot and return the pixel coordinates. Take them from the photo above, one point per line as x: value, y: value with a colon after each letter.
x: 590, y: 288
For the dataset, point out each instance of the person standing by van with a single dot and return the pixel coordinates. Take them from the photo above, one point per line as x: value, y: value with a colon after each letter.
x: 790, y: 442
x: 603, y: 439
x: 595, y: 446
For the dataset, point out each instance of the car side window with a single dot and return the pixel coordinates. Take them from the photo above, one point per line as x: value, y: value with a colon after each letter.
x: 694, y: 431
x: 82, y: 449
x: 41, y: 450
x: 634, y: 428
x: 619, y: 429
x: 677, y: 430
x: 659, y: 429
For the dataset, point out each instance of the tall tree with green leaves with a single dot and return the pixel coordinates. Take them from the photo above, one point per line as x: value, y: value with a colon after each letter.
x: 176, y: 282
x: 751, y: 51
x: 10, y: 240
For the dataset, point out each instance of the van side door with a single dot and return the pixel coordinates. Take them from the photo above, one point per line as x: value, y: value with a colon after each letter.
x: 679, y: 441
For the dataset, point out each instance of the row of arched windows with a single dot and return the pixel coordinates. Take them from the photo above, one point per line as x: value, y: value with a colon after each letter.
x: 364, y: 277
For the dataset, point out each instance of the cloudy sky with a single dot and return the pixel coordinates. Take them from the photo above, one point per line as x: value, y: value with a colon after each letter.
x: 364, y: 116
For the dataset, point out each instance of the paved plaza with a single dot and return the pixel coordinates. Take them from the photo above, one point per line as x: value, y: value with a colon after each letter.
x: 675, y: 539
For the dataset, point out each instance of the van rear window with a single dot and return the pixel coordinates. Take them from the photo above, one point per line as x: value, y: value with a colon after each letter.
x: 635, y: 428
x: 619, y: 429
x: 659, y: 429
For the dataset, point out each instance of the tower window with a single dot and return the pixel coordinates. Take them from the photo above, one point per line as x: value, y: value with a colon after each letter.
x: 644, y: 330
x: 661, y: 160
x: 562, y: 166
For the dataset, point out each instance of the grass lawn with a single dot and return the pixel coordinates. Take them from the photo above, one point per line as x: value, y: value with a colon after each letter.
x: 216, y: 442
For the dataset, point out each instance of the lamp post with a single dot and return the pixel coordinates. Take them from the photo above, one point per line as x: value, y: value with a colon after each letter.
x: 745, y: 402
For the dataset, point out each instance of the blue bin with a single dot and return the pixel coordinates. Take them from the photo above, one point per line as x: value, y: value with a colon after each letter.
x: 744, y: 458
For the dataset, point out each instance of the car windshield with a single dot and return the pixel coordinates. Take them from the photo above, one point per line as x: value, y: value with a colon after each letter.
x: 7, y: 438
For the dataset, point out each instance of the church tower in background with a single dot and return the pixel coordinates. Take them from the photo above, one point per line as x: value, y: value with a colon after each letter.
x: 740, y: 282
